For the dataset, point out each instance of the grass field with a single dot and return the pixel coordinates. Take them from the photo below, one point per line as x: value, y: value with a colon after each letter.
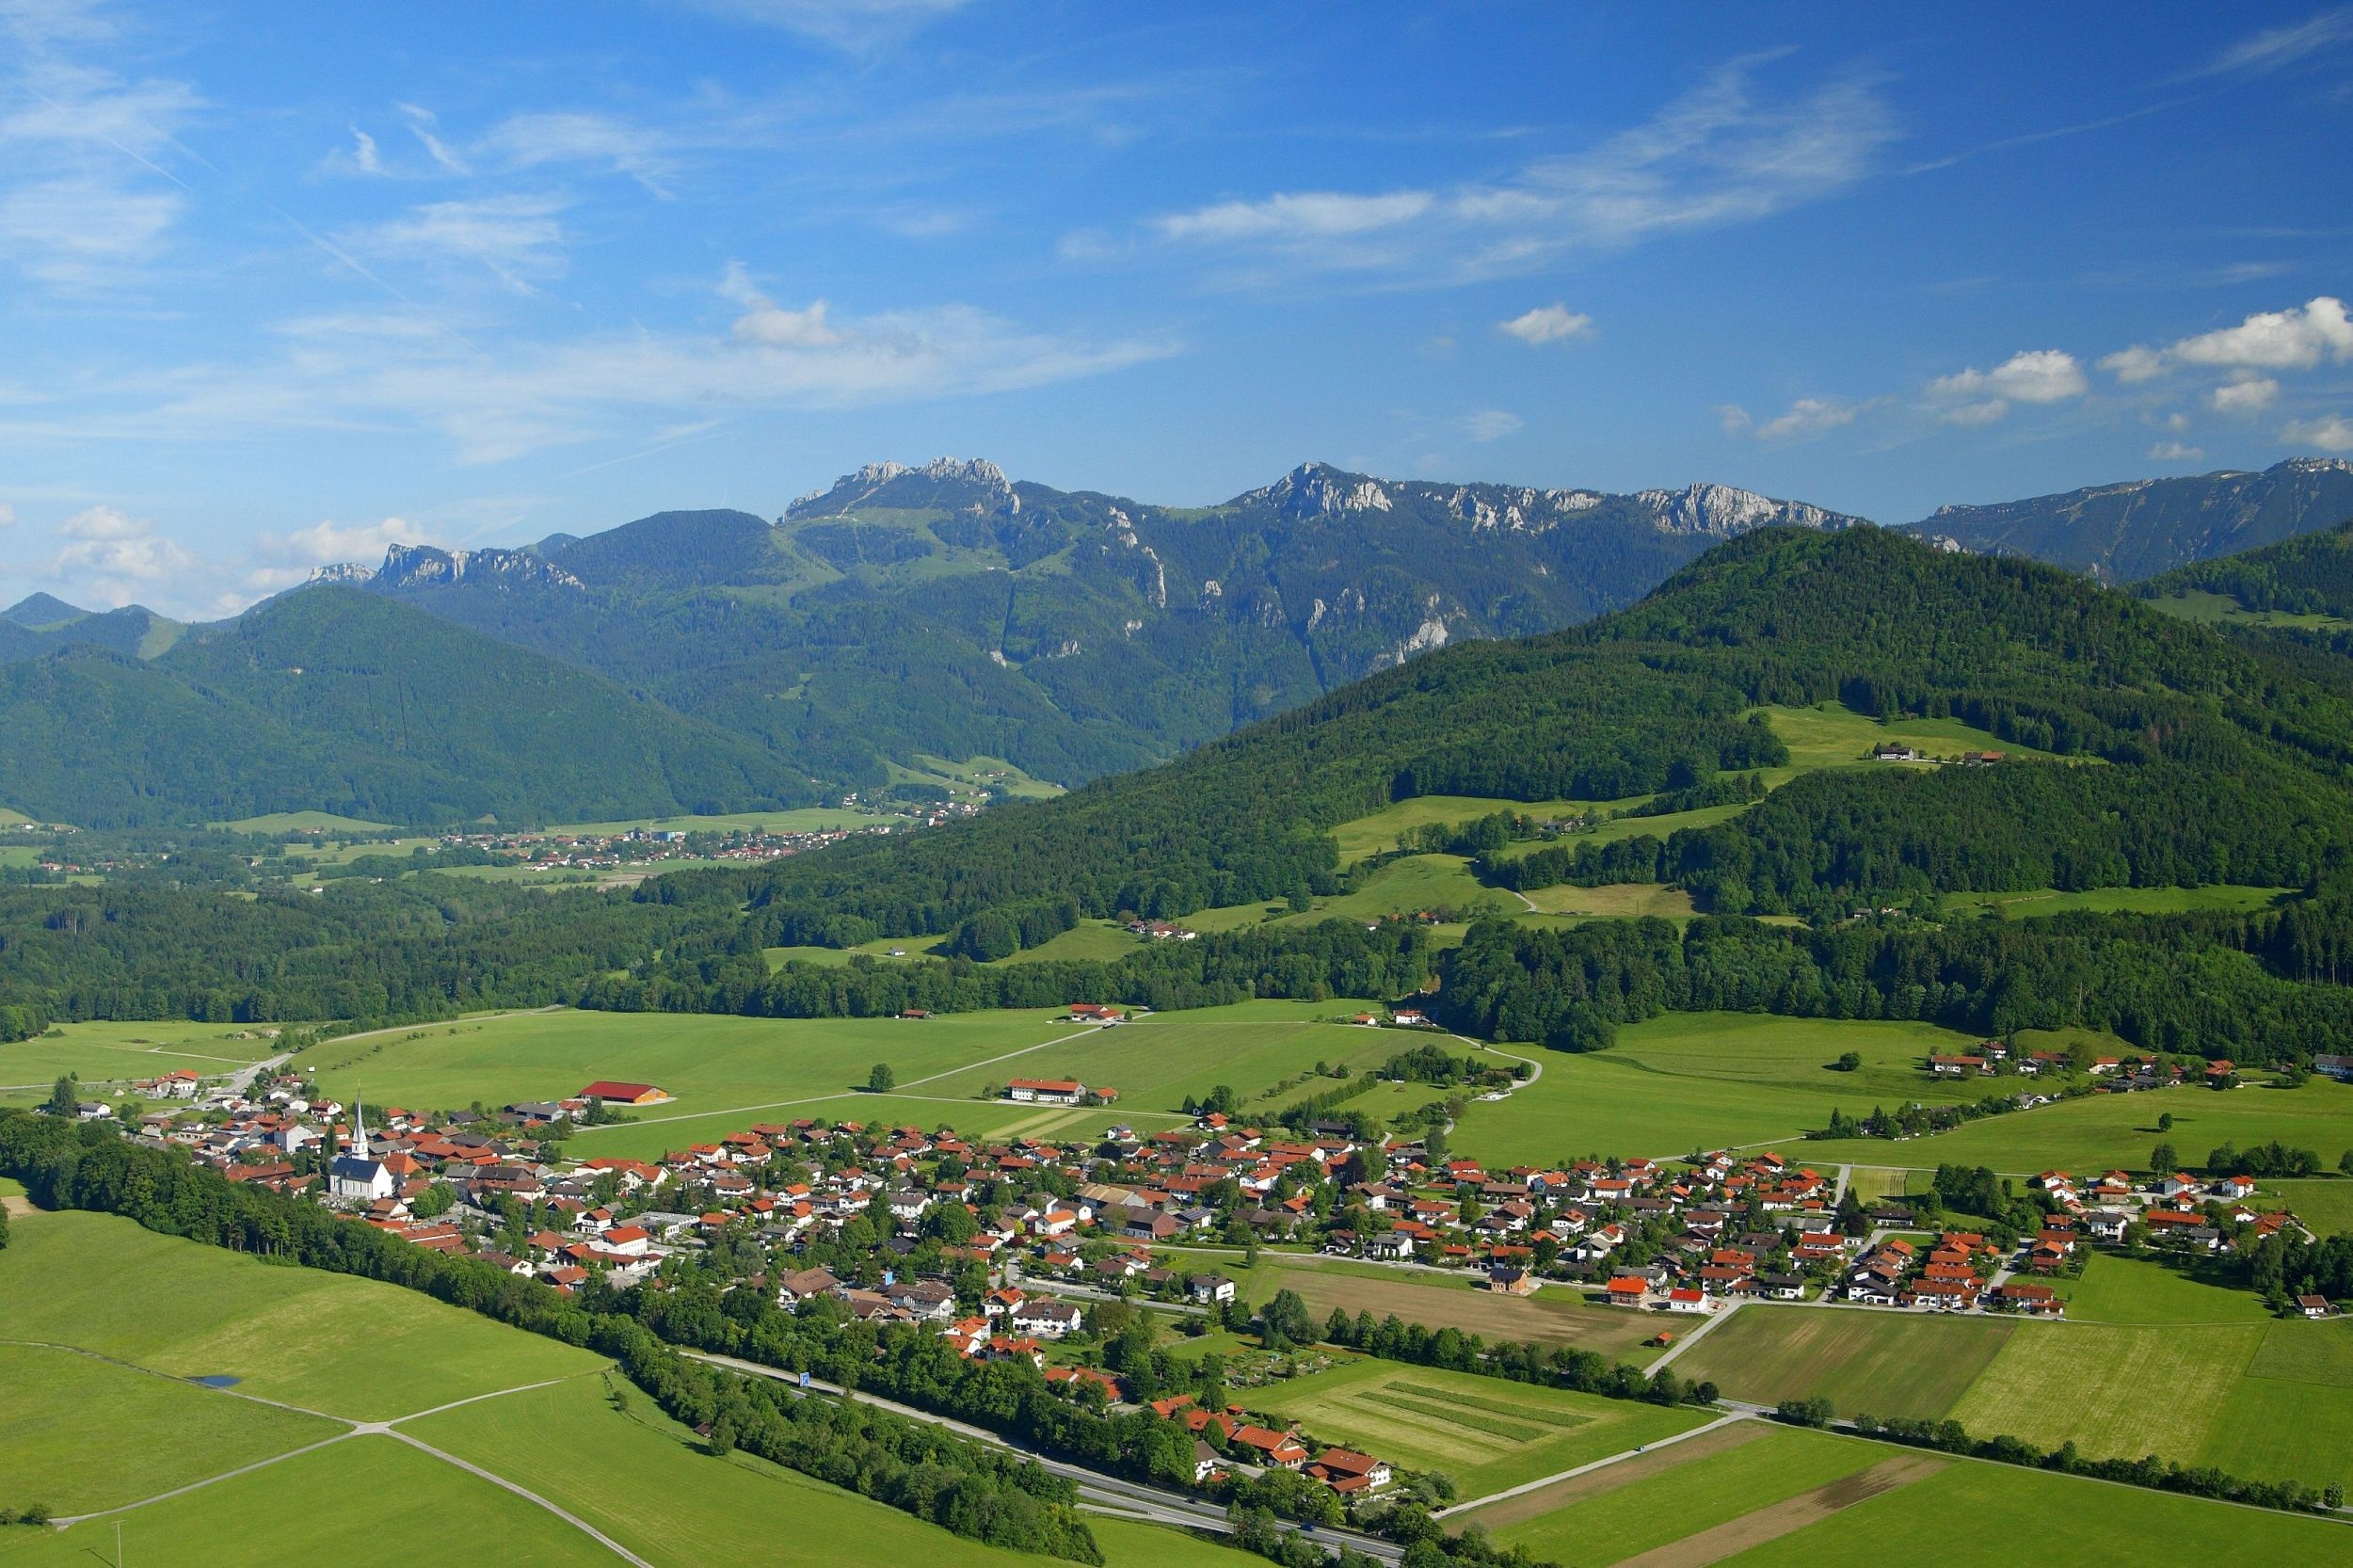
x: 1971, y: 1514
x: 1689, y: 1080
x: 729, y: 1072
x: 2212, y: 608
x: 2140, y: 1291
x: 641, y: 1478
x: 2114, y: 900
x: 102, y: 1054
x: 316, y: 1507
x: 1884, y: 1363
x: 1102, y: 941
x: 2324, y: 1203
x: 1617, y: 901
x: 325, y: 1342
x: 1551, y: 1317
x: 711, y: 1064
x: 2115, y: 1392
x: 2120, y: 1130
x: 1486, y: 1433
x: 304, y: 821
x: 1405, y: 885
x: 1379, y: 833
x: 78, y: 1433
x: 1676, y: 1501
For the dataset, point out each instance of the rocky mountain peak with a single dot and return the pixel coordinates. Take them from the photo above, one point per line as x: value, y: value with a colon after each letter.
x: 1319, y: 490
x: 416, y: 565
x: 1723, y: 510
x: 955, y: 483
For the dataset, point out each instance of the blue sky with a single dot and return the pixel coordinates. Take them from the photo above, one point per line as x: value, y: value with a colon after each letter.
x: 278, y: 289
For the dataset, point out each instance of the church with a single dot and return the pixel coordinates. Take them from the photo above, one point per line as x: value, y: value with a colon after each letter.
x: 357, y: 1176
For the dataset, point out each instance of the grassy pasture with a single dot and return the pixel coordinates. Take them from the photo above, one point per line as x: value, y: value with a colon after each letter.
x: 1971, y: 1512
x: 2115, y: 901
x: 1885, y: 1364
x: 1099, y: 941
x: 2142, y: 1292
x: 1485, y: 1433
x: 2213, y: 608
x: 642, y: 1480
x: 1405, y: 885
x: 79, y: 1434
x: 2120, y: 1130
x: 106, y: 1052
x: 2117, y: 1392
x: 1380, y: 832
x: 1551, y: 1317
x: 326, y: 1342
x: 1617, y: 901
x: 1689, y: 1080
x: 316, y: 1507
x: 1834, y: 736
x: 711, y: 1064
x: 304, y: 821
x: 1679, y: 1501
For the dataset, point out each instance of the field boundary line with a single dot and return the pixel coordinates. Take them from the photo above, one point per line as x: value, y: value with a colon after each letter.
x: 844, y: 1094
x: 65, y: 1521
x: 527, y: 1494
x: 1602, y: 1463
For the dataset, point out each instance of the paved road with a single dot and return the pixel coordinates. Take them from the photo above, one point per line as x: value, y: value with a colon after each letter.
x: 241, y: 1081
x: 1096, y: 1491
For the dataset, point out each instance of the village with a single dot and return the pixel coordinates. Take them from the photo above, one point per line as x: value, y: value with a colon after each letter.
x: 1020, y: 1248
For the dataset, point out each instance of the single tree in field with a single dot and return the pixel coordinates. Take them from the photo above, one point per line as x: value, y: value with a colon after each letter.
x: 2345, y: 1163
x: 2163, y: 1160
x: 2165, y: 1122
x: 881, y: 1080
x: 1849, y: 1060
x: 65, y: 1097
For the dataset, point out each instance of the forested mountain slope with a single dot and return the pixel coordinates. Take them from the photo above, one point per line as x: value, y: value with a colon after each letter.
x: 339, y: 700
x: 945, y: 609
x: 2309, y: 575
x: 2124, y: 533
x: 2184, y: 758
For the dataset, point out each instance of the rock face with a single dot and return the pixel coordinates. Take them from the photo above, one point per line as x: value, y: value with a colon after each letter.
x: 408, y: 566
x: 2123, y: 533
x: 953, y: 484
x: 1722, y: 511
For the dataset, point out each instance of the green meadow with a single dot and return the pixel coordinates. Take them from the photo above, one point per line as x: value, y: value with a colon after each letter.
x: 1680, y: 1499
x: 1487, y: 1434
x: 1971, y: 1514
x: 1693, y: 1080
x: 79, y: 1434
x: 325, y: 1342
x: 303, y: 821
x: 1884, y: 1363
x: 2104, y: 1131
x: 2115, y: 901
x: 108, y: 1053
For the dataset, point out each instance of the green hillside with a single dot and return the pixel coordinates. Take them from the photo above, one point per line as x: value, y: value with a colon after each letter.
x: 2304, y: 580
x: 2214, y: 766
x: 341, y: 701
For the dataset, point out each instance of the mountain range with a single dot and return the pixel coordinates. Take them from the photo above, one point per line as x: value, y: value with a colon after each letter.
x: 940, y: 610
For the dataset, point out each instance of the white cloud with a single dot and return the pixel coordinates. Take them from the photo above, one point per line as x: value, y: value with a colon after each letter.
x: 2245, y: 394
x: 2275, y: 340
x: 845, y: 23
x: 1304, y: 214
x: 765, y: 322
x: 113, y: 557
x: 8, y: 514
x: 1547, y: 323
x: 514, y: 237
x: 1714, y: 156
x: 1808, y: 416
x: 2297, y: 339
x: 2284, y: 46
x: 1970, y: 415
x: 2174, y: 452
x: 2033, y: 376
x: 1490, y: 424
x: 527, y: 141
x: 2331, y: 433
x: 363, y: 154
x: 281, y: 561
x: 423, y: 125
x: 2135, y: 365
x: 86, y: 200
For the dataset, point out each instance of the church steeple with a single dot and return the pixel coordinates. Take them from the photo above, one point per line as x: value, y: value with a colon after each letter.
x: 358, y: 1126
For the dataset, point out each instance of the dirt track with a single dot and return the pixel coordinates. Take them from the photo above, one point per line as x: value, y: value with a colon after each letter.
x: 1736, y: 1536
